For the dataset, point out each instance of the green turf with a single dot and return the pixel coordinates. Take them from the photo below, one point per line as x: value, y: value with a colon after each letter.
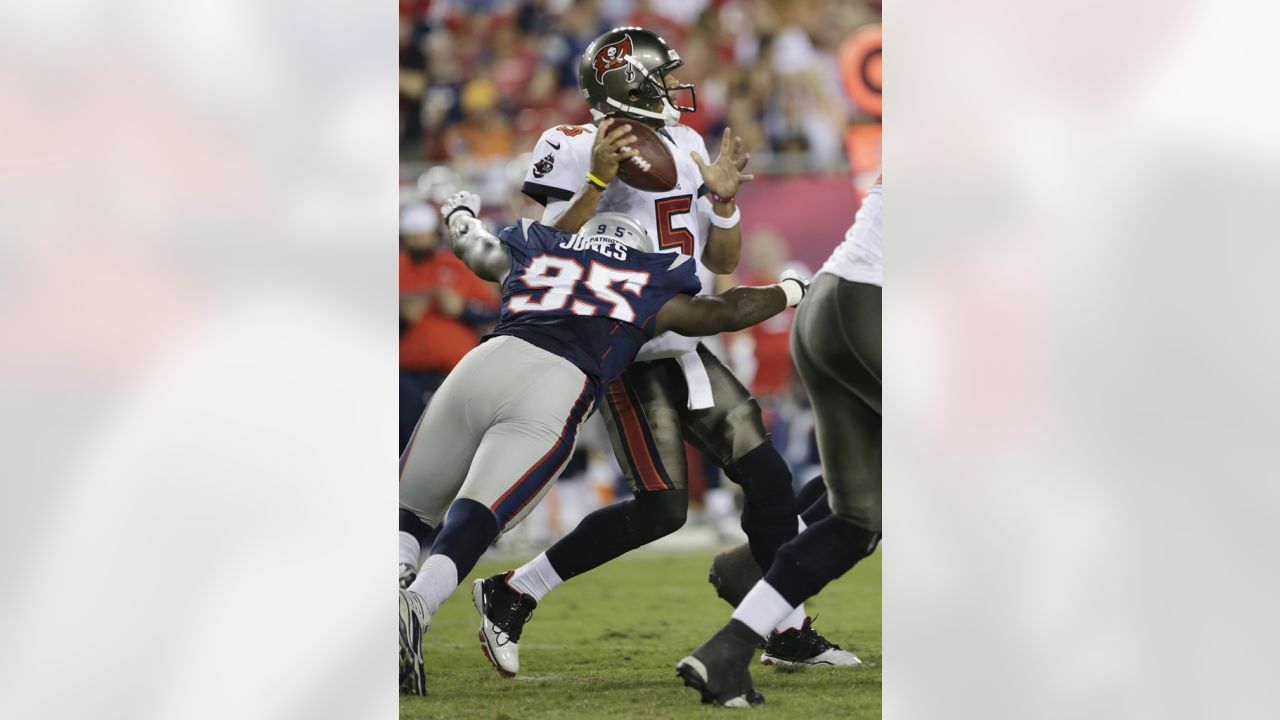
x: 606, y: 645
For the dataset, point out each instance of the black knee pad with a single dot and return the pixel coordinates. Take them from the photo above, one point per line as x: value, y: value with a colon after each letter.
x: 823, y: 552
x: 733, y: 573
x: 655, y: 514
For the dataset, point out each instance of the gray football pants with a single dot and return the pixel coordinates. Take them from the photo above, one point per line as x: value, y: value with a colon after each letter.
x: 498, y: 431
x: 647, y: 415
x: 835, y: 343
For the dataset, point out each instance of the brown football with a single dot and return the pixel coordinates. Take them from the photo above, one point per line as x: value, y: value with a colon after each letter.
x: 654, y: 168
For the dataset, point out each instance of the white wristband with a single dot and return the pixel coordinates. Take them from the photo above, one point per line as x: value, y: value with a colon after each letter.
x: 725, y: 223
x: 794, y: 291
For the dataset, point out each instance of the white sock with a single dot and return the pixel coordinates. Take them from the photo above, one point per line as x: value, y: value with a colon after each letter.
x: 792, y: 621
x: 535, y: 578
x: 436, y: 581
x: 409, y: 549
x: 762, y: 609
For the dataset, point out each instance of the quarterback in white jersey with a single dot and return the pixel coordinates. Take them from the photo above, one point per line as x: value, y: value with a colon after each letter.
x: 676, y: 391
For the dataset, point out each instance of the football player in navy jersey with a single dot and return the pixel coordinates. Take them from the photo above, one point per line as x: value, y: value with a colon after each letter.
x: 576, y: 308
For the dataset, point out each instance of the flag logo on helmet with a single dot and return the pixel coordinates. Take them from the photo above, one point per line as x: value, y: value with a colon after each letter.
x: 612, y: 57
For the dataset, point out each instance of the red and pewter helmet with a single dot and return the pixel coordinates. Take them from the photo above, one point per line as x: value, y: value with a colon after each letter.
x: 623, y: 72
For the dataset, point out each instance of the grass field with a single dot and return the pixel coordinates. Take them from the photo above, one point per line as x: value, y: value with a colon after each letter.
x: 606, y: 645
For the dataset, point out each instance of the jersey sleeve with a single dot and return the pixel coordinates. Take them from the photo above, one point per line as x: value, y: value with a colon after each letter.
x: 527, y: 237
x: 513, y: 236
x: 682, y: 278
x: 558, y: 166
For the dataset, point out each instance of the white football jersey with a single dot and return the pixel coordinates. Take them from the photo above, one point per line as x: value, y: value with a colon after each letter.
x: 677, y: 220
x: 860, y: 257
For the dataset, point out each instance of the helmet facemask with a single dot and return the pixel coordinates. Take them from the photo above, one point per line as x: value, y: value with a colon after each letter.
x: 654, y: 93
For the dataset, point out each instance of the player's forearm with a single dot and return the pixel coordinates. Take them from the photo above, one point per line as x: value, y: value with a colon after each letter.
x: 580, y: 210
x: 724, y: 245
x: 477, y: 248
x: 746, y: 306
x: 730, y: 311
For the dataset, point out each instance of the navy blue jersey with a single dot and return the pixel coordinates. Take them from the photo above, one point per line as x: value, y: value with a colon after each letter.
x: 593, y: 304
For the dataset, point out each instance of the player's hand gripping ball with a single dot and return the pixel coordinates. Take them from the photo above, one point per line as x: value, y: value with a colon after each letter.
x: 635, y: 154
x: 652, y: 167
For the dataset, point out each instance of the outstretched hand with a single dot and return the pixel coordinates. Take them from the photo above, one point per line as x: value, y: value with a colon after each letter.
x: 724, y: 176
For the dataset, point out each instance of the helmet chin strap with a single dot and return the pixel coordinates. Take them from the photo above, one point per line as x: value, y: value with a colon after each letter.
x: 669, y: 115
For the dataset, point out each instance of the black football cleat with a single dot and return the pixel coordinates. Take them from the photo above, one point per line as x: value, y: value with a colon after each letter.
x: 718, y: 668
x: 503, y: 613
x: 805, y: 646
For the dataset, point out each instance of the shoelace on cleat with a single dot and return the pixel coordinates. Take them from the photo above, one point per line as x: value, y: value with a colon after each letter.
x: 817, y: 639
x: 516, y: 616
x: 801, y: 643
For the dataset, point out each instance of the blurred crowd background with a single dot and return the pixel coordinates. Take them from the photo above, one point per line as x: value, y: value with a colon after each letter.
x: 799, y: 80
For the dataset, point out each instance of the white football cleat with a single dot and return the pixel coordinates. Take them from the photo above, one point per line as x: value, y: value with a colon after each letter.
x: 414, y: 621
x: 503, y: 613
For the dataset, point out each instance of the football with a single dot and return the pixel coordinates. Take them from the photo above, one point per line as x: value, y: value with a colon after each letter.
x: 654, y: 168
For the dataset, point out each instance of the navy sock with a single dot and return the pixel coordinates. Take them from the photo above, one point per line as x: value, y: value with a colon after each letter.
x: 469, y: 529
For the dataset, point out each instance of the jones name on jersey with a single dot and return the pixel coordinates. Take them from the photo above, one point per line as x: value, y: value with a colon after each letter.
x: 593, y: 303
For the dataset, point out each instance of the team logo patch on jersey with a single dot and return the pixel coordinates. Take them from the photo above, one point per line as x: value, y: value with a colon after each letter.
x: 543, y: 166
x: 612, y: 57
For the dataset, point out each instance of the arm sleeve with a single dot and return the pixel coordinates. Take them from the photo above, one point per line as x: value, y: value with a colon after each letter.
x: 556, y: 170
x: 682, y: 279
x: 513, y: 235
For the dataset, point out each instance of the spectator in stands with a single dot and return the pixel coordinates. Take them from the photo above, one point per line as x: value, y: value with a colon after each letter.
x: 476, y: 76
x: 442, y: 308
x: 484, y: 132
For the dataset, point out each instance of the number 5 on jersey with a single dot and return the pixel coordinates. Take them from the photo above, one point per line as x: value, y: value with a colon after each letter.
x: 559, y: 277
x: 670, y: 236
